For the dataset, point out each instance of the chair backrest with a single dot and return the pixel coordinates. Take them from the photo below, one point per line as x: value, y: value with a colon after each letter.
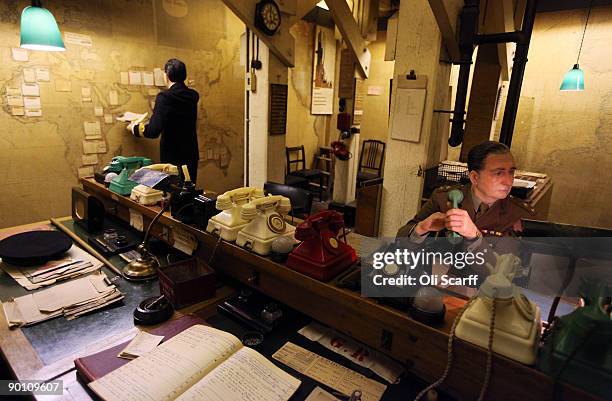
x: 295, y: 157
x: 301, y: 199
x: 372, y: 156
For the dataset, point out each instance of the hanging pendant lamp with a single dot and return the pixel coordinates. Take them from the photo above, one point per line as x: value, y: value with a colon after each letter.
x: 39, y: 30
x: 574, y: 78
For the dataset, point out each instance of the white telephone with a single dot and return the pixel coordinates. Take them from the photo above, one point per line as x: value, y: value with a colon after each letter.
x: 517, y: 319
x: 500, y: 318
x: 229, y: 222
x: 267, y: 222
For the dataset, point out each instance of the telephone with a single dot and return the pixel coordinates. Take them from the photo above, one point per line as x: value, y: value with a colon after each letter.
x: 500, y: 318
x: 321, y: 254
x: 266, y: 223
x: 229, y: 222
x: 124, y: 166
x: 577, y: 348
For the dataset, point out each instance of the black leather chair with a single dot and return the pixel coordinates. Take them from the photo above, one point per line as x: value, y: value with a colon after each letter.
x: 301, y: 199
x: 371, y: 161
x: 297, y: 173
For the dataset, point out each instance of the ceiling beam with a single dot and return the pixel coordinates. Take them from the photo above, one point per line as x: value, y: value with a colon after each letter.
x: 446, y: 29
x: 282, y: 43
x: 343, y: 18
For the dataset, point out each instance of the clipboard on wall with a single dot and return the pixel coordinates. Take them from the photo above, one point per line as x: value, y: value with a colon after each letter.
x: 408, y: 107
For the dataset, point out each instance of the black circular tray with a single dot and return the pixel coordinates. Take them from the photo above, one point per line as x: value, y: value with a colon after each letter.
x: 34, y: 247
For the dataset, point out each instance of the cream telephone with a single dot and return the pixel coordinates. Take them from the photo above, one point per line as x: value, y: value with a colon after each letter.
x: 229, y: 222
x: 267, y: 222
x: 500, y: 318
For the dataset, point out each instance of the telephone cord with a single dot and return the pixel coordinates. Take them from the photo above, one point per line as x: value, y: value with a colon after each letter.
x: 449, y: 360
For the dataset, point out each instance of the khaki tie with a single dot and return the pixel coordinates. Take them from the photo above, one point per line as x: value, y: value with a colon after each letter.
x: 482, y: 209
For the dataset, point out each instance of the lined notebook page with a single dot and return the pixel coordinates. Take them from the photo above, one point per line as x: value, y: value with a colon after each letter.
x: 245, y: 376
x: 169, y: 370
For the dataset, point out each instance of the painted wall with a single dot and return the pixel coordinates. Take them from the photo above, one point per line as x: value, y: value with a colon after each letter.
x: 40, y: 156
x: 568, y: 135
x: 375, y: 122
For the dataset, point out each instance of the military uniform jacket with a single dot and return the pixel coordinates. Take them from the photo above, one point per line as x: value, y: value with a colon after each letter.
x: 498, y: 220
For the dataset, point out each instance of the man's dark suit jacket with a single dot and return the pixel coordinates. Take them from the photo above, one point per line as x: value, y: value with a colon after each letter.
x: 174, y: 118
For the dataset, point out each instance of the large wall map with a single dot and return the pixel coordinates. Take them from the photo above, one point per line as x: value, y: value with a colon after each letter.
x: 58, y: 110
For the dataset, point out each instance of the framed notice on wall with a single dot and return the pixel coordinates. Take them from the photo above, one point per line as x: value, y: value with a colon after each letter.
x: 408, y: 107
x: 278, y: 109
x: 324, y: 63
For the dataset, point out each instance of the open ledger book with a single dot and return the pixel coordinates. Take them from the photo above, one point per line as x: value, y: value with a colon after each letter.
x: 200, y: 363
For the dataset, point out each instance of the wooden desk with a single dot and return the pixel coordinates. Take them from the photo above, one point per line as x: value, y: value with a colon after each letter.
x: 26, y: 363
x: 422, y: 348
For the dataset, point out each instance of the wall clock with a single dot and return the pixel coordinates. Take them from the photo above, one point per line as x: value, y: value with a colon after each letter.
x: 267, y: 16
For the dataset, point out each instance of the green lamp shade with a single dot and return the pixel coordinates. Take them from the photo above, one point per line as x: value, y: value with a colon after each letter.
x: 573, y: 80
x: 39, y: 31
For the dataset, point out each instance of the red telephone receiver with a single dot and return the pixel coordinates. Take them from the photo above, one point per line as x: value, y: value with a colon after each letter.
x: 321, y: 255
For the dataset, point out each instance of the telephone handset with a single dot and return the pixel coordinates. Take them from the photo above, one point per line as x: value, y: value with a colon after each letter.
x: 321, y: 254
x: 229, y: 221
x: 266, y: 222
x: 499, y: 318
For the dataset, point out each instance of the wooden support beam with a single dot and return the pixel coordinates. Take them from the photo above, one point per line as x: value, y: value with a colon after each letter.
x: 282, y: 43
x: 351, y: 34
x: 446, y: 29
x: 370, y: 16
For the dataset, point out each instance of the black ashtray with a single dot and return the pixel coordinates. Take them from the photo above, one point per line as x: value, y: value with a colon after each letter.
x: 252, y: 339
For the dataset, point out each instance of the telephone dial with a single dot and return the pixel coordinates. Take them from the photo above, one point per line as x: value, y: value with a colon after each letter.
x: 266, y: 223
x: 229, y: 222
x: 321, y: 254
x: 499, y: 318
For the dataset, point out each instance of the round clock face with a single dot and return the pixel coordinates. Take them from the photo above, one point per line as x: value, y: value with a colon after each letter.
x: 270, y: 16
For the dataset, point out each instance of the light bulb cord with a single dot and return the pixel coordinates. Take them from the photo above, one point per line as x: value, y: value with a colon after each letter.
x: 584, y: 31
x: 36, y: 3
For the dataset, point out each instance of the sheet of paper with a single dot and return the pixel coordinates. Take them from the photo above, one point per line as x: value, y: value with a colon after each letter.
x: 318, y: 394
x: 130, y: 116
x: 141, y: 344
x: 328, y: 372
x: 29, y: 75
x: 147, y: 78
x: 135, y: 77
x: 13, y: 91
x: 182, y: 360
x: 78, y: 39
x: 62, y: 85
x: 108, y: 119
x: 159, y: 77
x: 86, y: 93
x: 17, y: 111
x: 31, y: 102
x: 88, y: 160
x: 85, y: 172
x: 98, y: 111
x: 124, y: 78
x: 92, y: 130
x: 113, y: 98
x: 33, y: 112
x: 42, y: 74
x: 245, y: 372
x: 69, y: 293
x: 30, y: 89
x: 90, y: 147
x: 408, y: 114
x: 375, y: 90
x: 14, y: 100
x: 20, y: 54
x: 184, y: 241
x: 136, y: 220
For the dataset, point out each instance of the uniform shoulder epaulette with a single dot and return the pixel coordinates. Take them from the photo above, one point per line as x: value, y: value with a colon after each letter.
x: 523, y: 205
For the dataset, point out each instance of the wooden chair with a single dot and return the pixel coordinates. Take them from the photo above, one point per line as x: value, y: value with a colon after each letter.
x: 301, y: 199
x: 297, y: 173
x: 371, y: 160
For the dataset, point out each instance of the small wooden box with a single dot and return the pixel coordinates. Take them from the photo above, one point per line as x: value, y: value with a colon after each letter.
x: 187, y: 282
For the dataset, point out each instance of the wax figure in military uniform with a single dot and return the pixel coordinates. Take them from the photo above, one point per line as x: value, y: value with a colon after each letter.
x: 174, y: 118
x: 487, y: 208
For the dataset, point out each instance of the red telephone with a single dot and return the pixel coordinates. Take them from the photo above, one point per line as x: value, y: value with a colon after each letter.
x: 321, y: 255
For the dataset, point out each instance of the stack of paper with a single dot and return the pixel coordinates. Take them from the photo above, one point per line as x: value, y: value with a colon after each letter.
x: 76, y: 262
x: 71, y: 299
x: 141, y: 344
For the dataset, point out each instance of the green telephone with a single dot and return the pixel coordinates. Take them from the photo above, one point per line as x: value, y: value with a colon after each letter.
x: 500, y: 318
x: 578, y: 347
